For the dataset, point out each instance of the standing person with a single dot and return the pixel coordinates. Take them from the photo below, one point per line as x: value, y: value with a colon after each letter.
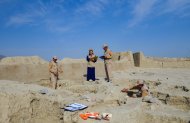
x: 108, y: 62
x: 91, y: 58
x: 53, y: 69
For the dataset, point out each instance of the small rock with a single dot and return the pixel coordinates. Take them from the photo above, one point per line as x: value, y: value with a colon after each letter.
x: 133, y: 72
x: 87, y: 98
x: 43, y: 91
x: 185, y: 89
x: 158, y: 83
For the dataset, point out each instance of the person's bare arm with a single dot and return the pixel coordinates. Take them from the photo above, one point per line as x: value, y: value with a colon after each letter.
x: 131, y: 87
x: 136, y: 87
x: 110, y: 54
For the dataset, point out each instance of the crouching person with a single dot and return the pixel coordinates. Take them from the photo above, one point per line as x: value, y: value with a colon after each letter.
x: 142, y: 88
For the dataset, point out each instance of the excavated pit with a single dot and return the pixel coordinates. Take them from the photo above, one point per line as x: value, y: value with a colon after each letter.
x: 142, y: 113
x: 21, y: 102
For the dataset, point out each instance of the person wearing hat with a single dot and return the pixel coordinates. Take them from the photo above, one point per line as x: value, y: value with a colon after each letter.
x: 91, y: 59
x: 107, y: 62
x: 53, y: 70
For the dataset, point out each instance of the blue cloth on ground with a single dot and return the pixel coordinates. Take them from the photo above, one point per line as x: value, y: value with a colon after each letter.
x: 75, y: 107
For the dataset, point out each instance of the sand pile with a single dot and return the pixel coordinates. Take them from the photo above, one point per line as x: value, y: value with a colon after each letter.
x: 22, y: 103
x: 22, y: 60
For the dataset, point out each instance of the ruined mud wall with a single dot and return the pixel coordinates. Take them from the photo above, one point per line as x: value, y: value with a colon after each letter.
x: 24, y: 72
x: 30, y: 69
x: 78, y: 70
x: 150, y: 62
x: 124, y: 56
x: 31, y: 73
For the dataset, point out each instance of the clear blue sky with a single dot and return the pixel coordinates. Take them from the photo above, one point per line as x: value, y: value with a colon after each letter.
x: 68, y: 28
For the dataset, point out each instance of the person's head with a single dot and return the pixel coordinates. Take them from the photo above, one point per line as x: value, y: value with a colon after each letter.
x: 55, y: 58
x: 105, y: 47
x: 140, y: 82
x: 91, y: 52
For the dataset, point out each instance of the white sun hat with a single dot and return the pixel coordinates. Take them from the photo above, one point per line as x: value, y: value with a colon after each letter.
x: 55, y: 57
x: 105, y: 45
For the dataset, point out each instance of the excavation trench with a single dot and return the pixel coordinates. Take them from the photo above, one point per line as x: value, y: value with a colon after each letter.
x: 123, y: 111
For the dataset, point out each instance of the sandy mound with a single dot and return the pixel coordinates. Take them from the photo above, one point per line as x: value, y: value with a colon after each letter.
x: 22, y: 60
x: 22, y: 103
x: 2, y: 56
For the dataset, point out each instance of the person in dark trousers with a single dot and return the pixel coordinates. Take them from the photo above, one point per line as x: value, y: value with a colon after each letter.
x: 91, y: 59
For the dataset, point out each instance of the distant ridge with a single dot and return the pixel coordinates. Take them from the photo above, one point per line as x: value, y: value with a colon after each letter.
x: 23, y: 60
x: 2, y: 56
